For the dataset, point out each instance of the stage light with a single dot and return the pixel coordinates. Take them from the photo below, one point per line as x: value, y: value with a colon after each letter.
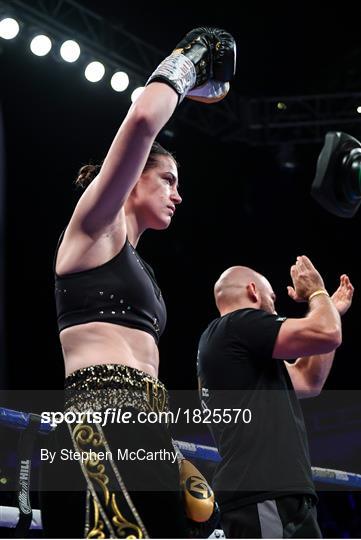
x: 120, y: 81
x: 40, y: 45
x: 136, y: 93
x: 94, y: 71
x: 70, y: 51
x: 359, y: 109
x: 9, y: 28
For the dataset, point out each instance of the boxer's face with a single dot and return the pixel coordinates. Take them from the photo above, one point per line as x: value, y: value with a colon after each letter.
x: 155, y: 196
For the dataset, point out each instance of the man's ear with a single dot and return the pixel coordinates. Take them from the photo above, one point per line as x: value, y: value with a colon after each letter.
x: 252, y: 291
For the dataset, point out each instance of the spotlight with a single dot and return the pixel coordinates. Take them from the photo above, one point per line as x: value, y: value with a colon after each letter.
x: 70, y: 51
x: 40, y: 45
x: 120, y: 81
x: 94, y: 71
x: 136, y: 93
x: 337, y: 184
x: 9, y: 28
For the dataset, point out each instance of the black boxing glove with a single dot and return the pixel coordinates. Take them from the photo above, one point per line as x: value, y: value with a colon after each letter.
x: 223, y: 67
x: 188, y: 65
x: 224, y: 63
x: 191, y: 63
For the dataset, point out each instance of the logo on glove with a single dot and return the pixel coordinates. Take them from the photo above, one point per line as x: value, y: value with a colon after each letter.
x: 198, y: 488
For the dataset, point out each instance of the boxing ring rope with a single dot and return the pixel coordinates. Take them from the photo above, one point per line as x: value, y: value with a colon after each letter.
x: 9, y: 517
x: 319, y: 474
x: 20, y: 421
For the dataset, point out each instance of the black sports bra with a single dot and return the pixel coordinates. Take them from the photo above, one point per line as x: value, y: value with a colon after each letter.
x: 121, y: 291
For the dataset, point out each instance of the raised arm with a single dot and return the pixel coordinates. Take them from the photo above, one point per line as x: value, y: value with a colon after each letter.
x: 190, y: 67
x: 320, y: 331
x: 309, y: 373
x: 102, y: 202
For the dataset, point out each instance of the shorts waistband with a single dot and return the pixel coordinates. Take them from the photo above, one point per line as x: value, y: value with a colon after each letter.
x: 114, y: 385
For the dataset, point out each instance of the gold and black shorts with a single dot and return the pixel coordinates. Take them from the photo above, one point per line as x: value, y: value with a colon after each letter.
x: 127, y: 471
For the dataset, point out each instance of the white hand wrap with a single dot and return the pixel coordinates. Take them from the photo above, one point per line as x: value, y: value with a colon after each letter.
x: 177, y: 71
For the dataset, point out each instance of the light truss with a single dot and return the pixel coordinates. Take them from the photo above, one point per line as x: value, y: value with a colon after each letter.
x: 235, y: 119
x: 305, y: 118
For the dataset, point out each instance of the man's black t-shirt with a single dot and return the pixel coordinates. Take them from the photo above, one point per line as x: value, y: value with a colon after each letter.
x: 265, y: 453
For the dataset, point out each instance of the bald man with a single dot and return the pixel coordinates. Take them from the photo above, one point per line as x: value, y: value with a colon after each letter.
x: 264, y: 482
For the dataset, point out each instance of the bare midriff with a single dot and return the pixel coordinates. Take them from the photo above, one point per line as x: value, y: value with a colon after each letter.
x: 98, y: 343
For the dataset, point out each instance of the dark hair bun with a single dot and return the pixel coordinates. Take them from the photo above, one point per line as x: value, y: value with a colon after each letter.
x: 86, y: 175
